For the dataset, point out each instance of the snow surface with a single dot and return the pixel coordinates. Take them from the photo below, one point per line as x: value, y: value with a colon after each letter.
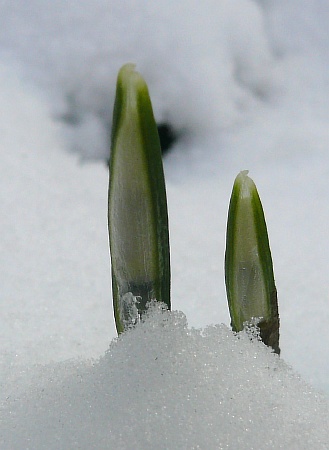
x: 163, y: 385
x: 245, y: 84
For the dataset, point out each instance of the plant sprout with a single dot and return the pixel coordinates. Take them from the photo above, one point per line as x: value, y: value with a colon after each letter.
x: 249, y: 278
x: 138, y: 225
x: 137, y: 216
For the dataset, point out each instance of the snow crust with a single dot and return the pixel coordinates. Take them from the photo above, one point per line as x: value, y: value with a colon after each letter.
x: 164, y: 385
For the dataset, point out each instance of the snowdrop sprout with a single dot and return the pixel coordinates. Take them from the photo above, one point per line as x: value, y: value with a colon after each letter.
x: 249, y: 278
x: 138, y: 219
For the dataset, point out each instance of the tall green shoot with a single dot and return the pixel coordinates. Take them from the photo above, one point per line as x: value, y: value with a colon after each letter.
x: 137, y: 214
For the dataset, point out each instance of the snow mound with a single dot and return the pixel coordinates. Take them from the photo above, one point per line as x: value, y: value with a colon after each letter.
x: 163, y: 385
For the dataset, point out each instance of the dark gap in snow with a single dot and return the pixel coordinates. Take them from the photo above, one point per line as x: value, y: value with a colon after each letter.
x: 168, y: 136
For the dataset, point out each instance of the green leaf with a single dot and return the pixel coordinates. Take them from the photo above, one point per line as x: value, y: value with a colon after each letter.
x: 138, y: 218
x: 249, y: 278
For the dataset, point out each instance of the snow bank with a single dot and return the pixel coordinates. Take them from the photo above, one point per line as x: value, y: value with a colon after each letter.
x: 163, y: 385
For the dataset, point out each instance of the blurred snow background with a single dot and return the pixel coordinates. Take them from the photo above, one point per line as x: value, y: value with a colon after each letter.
x: 245, y: 86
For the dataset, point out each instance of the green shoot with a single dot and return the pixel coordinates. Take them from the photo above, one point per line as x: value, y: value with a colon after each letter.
x: 249, y: 278
x: 137, y: 217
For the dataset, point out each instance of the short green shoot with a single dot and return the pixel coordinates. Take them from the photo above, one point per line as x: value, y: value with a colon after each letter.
x: 249, y: 278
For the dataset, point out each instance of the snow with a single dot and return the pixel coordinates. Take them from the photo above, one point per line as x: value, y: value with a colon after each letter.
x: 54, y: 238
x: 245, y: 85
x: 163, y: 385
